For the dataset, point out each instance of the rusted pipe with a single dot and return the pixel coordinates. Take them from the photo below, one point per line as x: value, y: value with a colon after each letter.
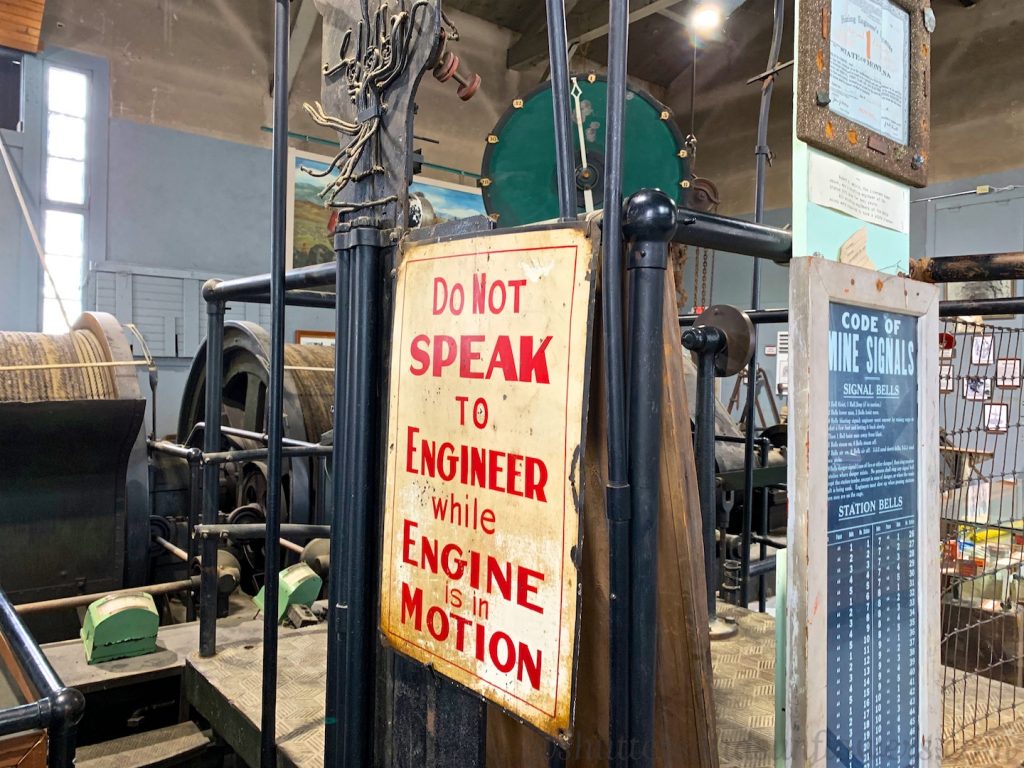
x: 77, y: 601
x: 966, y: 269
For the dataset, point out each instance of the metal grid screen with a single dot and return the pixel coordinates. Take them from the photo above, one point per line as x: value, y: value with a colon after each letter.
x: 982, y: 513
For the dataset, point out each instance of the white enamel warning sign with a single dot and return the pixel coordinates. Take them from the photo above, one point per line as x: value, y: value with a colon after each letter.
x: 488, y: 383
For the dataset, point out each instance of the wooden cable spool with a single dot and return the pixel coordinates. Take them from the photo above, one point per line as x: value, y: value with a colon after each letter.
x: 91, y: 362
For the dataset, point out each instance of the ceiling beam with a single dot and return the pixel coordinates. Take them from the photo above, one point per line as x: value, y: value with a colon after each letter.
x: 302, y: 33
x: 582, y: 28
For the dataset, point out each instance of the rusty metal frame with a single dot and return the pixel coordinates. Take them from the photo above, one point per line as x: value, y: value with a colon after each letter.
x: 820, y: 127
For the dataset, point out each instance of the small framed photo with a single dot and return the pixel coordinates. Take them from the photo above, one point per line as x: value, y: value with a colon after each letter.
x: 977, y: 388
x: 314, y: 338
x: 945, y: 379
x: 983, y: 349
x: 997, y: 418
x: 1008, y: 373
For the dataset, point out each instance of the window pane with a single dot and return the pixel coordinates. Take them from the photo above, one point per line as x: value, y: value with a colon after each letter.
x: 65, y: 180
x: 66, y: 136
x: 67, y: 275
x: 10, y: 91
x: 67, y: 92
x: 53, y: 320
x: 63, y: 234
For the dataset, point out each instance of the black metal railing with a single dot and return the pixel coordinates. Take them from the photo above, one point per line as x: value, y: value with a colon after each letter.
x: 58, y: 708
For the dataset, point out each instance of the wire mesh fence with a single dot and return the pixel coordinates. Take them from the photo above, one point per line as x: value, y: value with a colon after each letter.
x: 982, y: 528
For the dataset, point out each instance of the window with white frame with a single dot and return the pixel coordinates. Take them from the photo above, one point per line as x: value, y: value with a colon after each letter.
x: 65, y: 195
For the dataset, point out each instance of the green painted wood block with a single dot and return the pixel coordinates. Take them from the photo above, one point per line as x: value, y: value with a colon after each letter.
x: 120, y: 626
x: 297, y: 585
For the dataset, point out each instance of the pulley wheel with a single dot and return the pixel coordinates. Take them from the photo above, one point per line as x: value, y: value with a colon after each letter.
x: 739, y: 337
x: 162, y: 527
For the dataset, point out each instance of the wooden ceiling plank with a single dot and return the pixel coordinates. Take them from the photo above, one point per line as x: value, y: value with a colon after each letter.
x: 16, y: 22
x: 19, y: 5
x: 26, y: 43
x: 19, y: 15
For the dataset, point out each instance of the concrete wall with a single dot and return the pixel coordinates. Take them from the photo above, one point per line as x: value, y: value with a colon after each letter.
x: 977, y: 99
x: 205, y: 66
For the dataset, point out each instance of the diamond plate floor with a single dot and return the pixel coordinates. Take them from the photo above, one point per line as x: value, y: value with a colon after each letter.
x: 225, y: 689
x: 744, y: 669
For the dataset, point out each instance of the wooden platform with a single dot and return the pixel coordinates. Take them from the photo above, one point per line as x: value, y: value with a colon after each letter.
x: 226, y: 690
x: 174, y: 644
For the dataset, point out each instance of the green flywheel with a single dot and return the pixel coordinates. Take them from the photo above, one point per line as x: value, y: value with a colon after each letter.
x: 518, y: 180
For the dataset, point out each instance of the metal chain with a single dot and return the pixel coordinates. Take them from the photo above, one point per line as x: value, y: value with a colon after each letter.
x: 703, y: 279
x: 711, y: 278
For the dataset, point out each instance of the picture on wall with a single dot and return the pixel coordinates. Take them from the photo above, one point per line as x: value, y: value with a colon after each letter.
x: 1008, y: 373
x: 977, y: 388
x: 996, y: 417
x: 983, y: 350
x: 309, y: 222
x: 982, y: 290
x: 314, y: 338
x: 308, y: 225
x: 945, y: 379
x: 441, y: 201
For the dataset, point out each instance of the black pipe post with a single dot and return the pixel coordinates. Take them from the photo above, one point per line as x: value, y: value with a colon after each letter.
x: 706, y: 341
x: 195, y: 504
x: 275, y: 404
x: 765, y: 446
x: 559, y: 55
x: 617, y: 493
x: 336, y: 647
x: 211, y: 475
x: 650, y: 220
x: 357, y: 507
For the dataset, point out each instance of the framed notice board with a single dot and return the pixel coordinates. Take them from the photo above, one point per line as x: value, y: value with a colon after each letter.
x: 487, y: 406
x: 863, y: 579
x: 864, y: 83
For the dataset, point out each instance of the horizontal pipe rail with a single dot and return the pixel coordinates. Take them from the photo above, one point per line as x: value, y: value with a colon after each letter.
x: 964, y: 308
x: 254, y: 454
x: 173, y: 449
x: 762, y: 567
x: 77, y: 601
x: 316, y: 276
x: 178, y: 552
x: 966, y: 269
x: 969, y: 307
x: 757, y: 317
x: 251, y: 531
x: 262, y: 437
x: 24, y: 717
x: 722, y: 233
x: 296, y: 298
